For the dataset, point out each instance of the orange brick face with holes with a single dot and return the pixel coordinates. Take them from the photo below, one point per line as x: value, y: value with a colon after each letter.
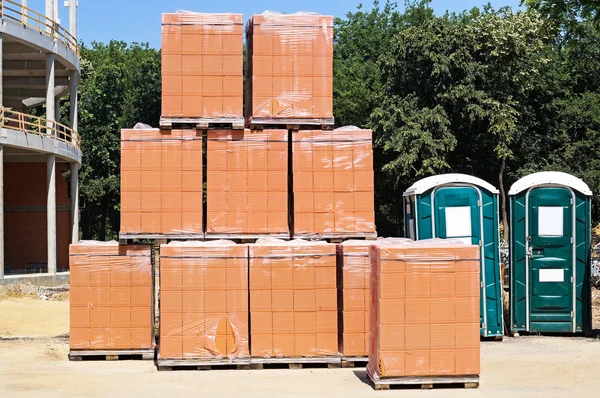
x: 111, y: 297
x: 355, y: 297
x: 333, y: 182
x: 293, y: 300
x: 247, y: 181
x: 204, y: 301
x: 425, y: 318
x: 161, y: 181
x: 202, y: 65
x: 290, y: 66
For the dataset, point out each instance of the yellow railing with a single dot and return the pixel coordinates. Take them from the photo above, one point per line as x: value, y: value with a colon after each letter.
x: 16, y: 12
x: 38, y: 125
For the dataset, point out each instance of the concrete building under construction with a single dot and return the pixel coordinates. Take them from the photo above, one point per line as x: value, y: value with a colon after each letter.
x: 39, y: 154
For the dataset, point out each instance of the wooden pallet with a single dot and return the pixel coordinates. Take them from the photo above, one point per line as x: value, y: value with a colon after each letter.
x: 200, y: 123
x: 260, y: 123
x: 355, y: 362
x: 337, y: 238
x: 245, y: 238
x: 202, y: 364
x: 111, y: 355
x: 295, y: 363
x: 424, y: 382
x: 127, y: 238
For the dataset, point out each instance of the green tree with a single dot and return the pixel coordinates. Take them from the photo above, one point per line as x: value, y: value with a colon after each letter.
x: 120, y: 86
x: 566, y: 12
x: 454, y: 93
x: 360, y: 40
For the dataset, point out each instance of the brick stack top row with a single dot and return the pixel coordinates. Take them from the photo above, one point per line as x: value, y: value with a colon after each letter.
x: 290, y: 66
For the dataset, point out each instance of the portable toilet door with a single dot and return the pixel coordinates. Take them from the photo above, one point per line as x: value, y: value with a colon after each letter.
x: 462, y: 207
x: 550, y: 254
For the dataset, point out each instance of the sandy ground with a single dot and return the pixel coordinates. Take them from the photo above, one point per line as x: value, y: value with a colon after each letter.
x: 18, y: 317
x: 522, y: 367
x: 518, y: 367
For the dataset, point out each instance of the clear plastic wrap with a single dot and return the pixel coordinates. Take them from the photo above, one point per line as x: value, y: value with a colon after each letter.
x: 425, y: 301
x: 293, y: 299
x: 161, y: 181
x: 247, y: 182
x: 290, y: 66
x: 204, y: 300
x: 111, y: 305
x: 202, y: 65
x: 353, y: 258
x: 333, y: 182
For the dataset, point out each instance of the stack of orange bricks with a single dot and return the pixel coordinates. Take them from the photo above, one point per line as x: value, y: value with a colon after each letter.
x: 293, y: 299
x: 333, y: 182
x: 111, y: 304
x: 290, y: 65
x: 161, y: 181
x: 247, y: 182
x: 202, y: 65
x: 426, y: 310
x: 353, y: 258
x: 204, y: 300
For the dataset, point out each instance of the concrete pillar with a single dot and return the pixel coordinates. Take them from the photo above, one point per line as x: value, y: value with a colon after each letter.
x: 73, y: 99
x: 73, y: 18
x: 74, y: 203
x: 1, y: 211
x: 56, y: 17
x: 51, y: 212
x: 24, y: 5
x: 49, y: 14
x: 57, y: 109
x: 50, y: 110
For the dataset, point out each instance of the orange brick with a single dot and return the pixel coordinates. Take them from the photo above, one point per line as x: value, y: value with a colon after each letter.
x: 305, y: 345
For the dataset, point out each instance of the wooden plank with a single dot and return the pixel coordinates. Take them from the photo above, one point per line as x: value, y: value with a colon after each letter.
x: 202, y: 364
x: 337, y: 238
x: 111, y: 355
x: 295, y: 362
x: 202, y: 123
x: 424, y: 382
x: 292, y: 123
x: 354, y: 362
x: 246, y: 237
x: 129, y: 236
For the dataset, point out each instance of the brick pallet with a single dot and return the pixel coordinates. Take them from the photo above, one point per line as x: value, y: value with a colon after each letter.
x: 333, y: 184
x: 293, y: 302
x: 111, y: 304
x: 203, y: 304
x: 290, y: 69
x: 436, y: 283
x: 161, y: 184
x: 202, y: 72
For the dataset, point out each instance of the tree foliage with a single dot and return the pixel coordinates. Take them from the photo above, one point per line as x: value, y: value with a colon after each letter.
x: 497, y: 94
x: 492, y: 93
x: 566, y: 12
x: 120, y: 86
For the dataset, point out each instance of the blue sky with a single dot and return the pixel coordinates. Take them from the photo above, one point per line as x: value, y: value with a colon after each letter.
x: 139, y: 20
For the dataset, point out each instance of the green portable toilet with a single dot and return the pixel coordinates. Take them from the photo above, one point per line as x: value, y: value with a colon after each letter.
x: 462, y: 207
x: 550, y: 246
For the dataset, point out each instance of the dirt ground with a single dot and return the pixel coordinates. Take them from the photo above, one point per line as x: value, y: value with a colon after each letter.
x: 517, y: 367
x: 18, y: 317
x: 522, y: 367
